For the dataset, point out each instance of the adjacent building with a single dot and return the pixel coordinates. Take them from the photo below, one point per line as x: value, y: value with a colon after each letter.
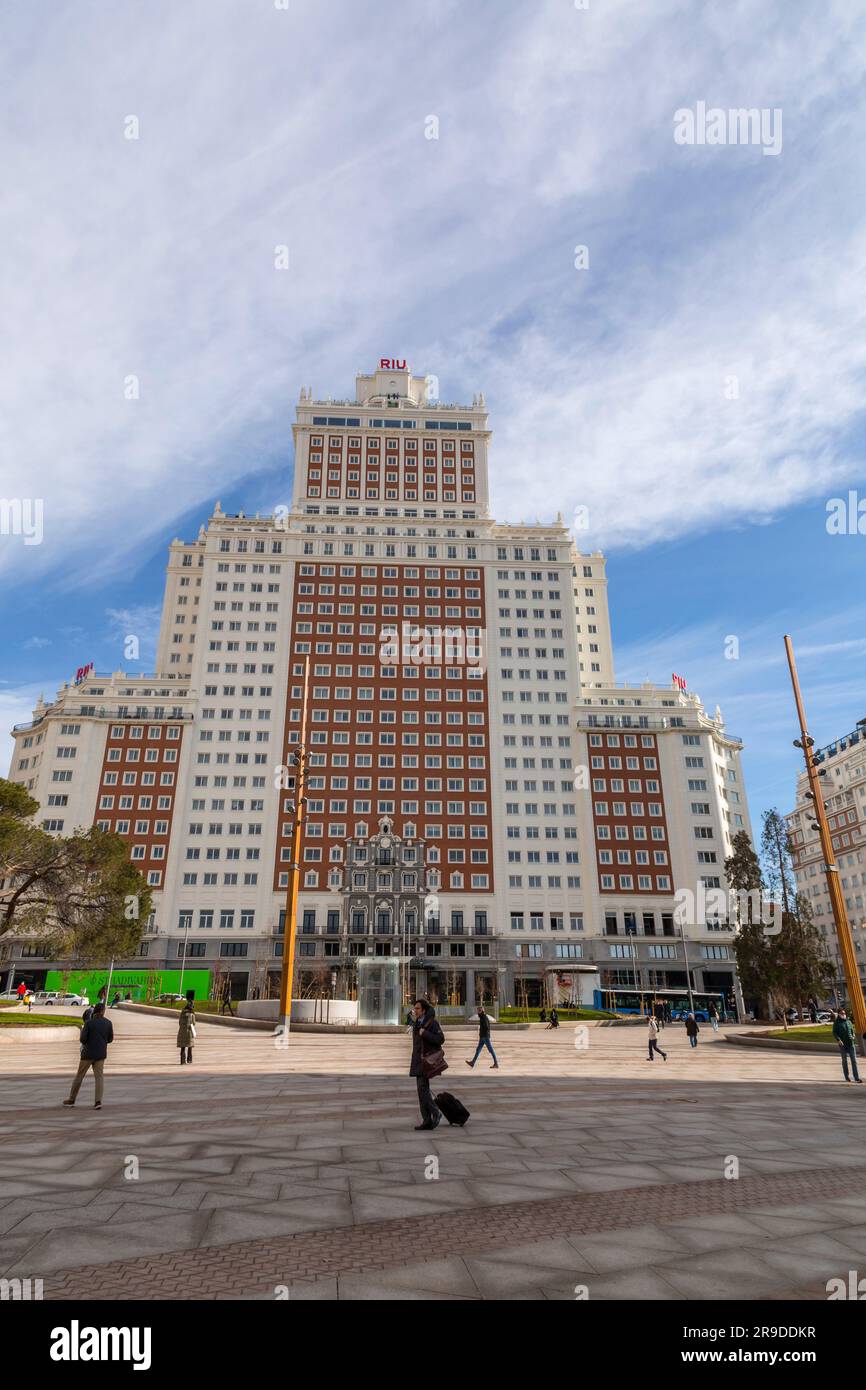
x: 843, y: 768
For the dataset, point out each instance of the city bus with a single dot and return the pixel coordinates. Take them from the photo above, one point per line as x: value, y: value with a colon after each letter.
x: 644, y: 1001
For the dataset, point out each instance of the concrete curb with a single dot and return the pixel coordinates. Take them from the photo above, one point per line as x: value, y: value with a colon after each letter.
x: 763, y: 1040
x: 38, y: 1033
x: 268, y: 1025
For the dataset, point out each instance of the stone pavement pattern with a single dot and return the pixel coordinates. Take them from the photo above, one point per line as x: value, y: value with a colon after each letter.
x: 261, y: 1169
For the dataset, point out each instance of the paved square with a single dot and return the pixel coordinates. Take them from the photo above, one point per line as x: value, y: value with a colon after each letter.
x: 260, y: 1172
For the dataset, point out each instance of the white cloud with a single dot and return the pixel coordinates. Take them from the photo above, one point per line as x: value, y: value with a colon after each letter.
x: 140, y: 622
x: 261, y: 127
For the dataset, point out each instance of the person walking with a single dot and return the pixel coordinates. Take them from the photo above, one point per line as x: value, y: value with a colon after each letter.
x: 654, y: 1038
x: 483, y: 1039
x: 692, y: 1030
x: 186, y: 1028
x: 95, y: 1036
x: 554, y: 1019
x: 659, y: 1013
x: 846, y: 1037
x: 714, y: 1016
x: 227, y: 1000
x: 427, y: 1039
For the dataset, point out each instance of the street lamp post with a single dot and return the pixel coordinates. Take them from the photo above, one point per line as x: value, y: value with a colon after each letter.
x: 186, y: 921
x: 298, y: 759
x: 688, y: 971
x: 831, y: 872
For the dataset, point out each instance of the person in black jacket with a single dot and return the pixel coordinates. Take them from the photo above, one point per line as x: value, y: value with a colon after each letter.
x: 692, y: 1030
x: 427, y: 1036
x: 483, y: 1038
x: 94, y: 1037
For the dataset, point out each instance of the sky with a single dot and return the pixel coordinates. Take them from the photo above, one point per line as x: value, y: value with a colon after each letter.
x: 670, y: 337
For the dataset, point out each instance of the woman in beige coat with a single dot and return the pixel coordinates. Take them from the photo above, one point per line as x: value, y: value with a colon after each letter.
x: 186, y: 1029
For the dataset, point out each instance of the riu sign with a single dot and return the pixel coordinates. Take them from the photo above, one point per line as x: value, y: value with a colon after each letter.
x: 82, y: 672
x: 392, y: 364
x: 679, y: 681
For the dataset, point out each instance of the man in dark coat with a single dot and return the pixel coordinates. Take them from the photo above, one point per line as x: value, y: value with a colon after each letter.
x: 427, y: 1036
x: 846, y: 1036
x: 94, y: 1037
x: 483, y: 1039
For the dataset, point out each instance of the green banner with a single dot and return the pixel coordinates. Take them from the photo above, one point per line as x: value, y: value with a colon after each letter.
x: 141, y: 984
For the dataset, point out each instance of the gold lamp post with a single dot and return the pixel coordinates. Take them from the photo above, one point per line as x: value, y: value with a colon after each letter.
x: 831, y: 872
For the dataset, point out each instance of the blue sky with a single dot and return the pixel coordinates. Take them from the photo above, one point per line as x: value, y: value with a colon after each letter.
x: 609, y: 387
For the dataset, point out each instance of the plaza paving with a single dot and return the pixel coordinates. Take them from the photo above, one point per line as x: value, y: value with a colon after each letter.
x: 262, y: 1170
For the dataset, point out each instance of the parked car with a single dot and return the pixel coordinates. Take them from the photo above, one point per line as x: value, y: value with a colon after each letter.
x: 681, y: 1014
x: 70, y: 1001
x: 170, y: 998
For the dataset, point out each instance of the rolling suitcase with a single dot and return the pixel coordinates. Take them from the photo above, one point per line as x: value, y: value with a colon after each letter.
x: 454, y: 1112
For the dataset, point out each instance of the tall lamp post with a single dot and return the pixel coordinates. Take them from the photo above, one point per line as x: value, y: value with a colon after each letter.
x: 186, y: 921
x: 688, y: 971
x: 831, y: 872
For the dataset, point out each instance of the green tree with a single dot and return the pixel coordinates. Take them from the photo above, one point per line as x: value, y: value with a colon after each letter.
x: 780, y: 969
x: 742, y: 867
x: 776, y: 851
x: 804, y: 966
x: 78, y: 894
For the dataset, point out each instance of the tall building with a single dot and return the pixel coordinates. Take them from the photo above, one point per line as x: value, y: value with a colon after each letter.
x: 843, y: 768
x: 461, y: 678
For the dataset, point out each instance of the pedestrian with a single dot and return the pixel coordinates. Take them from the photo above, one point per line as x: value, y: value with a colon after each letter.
x: 813, y: 1009
x: 94, y: 1037
x: 554, y: 1019
x: 654, y: 1038
x: 542, y: 1017
x: 714, y: 1016
x: 227, y: 999
x: 692, y: 1030
x: 843, y: 1032
x: 666, y: 1009
x: 28, y: 1000
x: 186, y: 1028
x: 483, y: 1039
x: 427, y: 1041
x: 21, y: 991
x: 658, y: 1012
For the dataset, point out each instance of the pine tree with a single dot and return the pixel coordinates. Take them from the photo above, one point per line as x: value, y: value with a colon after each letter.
x: 776, y: 851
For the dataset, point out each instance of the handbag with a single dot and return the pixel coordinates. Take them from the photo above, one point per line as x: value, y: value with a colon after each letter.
x: 192, y: 1030
x: 433, y: 1063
